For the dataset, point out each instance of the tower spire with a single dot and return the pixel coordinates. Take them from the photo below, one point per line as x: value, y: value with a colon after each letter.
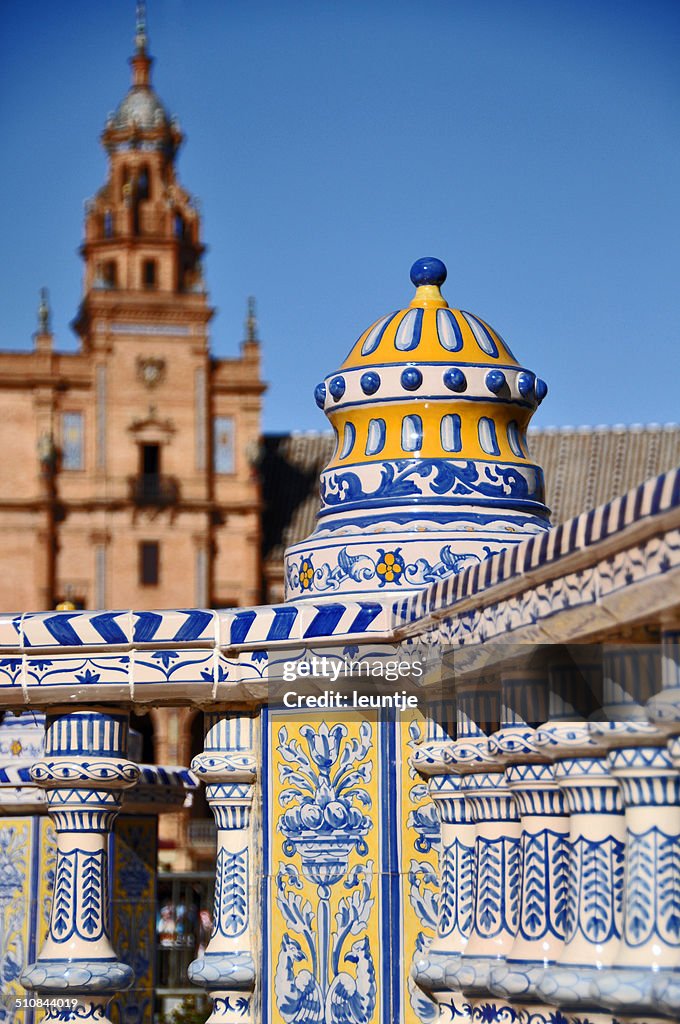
x: 251, y: 320
x: 140, y: 60
x: 44, y: 312
x: 141, y: 38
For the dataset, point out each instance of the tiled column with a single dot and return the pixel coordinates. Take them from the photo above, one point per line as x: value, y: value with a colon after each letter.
x: 596, y: 869
x: 228, y: 765
x: 84, y: 771
x: 650, y: 788
x: 594, y: 897
x: 650, y: 943
x: 497, y: 863
x: 664, y: 709
x: 432, y: 970
x: 544, y: 845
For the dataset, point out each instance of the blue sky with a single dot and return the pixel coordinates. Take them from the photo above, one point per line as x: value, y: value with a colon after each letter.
x: 533, y: 146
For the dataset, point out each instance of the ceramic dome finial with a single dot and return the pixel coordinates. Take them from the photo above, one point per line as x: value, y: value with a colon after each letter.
x: 428, y: 274
x: 428, y: 270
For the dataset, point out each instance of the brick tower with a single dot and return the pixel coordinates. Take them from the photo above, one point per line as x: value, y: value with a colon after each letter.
x: 128, y: 479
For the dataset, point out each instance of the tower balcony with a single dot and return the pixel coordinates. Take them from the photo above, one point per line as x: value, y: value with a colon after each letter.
x: 154, y: 489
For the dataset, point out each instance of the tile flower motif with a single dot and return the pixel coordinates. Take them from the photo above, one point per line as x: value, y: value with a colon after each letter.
x: 390, y: 566
x: 12, y: 906
x: 324, y: 823
x: 324, y: 801
x: 306, y: 574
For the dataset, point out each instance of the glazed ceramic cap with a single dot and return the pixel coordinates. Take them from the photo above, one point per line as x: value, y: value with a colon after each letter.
x: 428, y: 381
x: 428, y: 329
x: 431, y: 471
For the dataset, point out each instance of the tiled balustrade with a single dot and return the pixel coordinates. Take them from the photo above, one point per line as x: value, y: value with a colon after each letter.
x: 552, y: 892
x: 542, y: 816
x: 570, y: 906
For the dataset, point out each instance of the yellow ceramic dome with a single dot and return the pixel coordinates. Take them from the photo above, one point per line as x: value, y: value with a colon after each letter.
x: 430, y: 411
x: 429, y: 382
x: 429, y: 331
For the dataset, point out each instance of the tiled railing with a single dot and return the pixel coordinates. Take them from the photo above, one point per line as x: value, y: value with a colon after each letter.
x: 560, y: 841
x: 559, y: 873
x: 542, y: 815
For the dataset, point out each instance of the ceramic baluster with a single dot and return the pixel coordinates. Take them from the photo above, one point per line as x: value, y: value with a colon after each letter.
x: 84, y: 771
x: 228, y: 766
x: 664, y: 709
x: 650, y: 787
x: 544, y: 845
x: 596, y: 845
x: 432, y: 968
x: 496, y: 869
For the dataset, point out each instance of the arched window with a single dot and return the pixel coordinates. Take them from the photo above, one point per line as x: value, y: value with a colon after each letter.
x: 143, y: 190
x: 108, y: 224
x: 149, y: 274
x: 180, y: 227
x: 110, y: 274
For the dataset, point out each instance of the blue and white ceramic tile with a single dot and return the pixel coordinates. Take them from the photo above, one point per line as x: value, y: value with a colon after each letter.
x: 175, y: 626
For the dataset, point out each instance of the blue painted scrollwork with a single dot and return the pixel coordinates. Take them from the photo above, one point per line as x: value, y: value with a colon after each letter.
x: 423, y: 882
x: 493, y: 1013
x: 652, y: 890
x: 231, y: 893
x: 404, y: 479
x: 596, y: 875
x: 12, y: 871
x: 360, y: 568
x: 498, y: 870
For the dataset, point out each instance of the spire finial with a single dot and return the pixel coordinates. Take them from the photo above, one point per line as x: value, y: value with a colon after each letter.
x: 251, y: 320
x: 141, y: 61
x: 141, y: 38
x: 44, y: 312
x: 427, y: 274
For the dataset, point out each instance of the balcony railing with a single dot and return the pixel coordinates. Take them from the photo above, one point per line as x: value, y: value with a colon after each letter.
x: 202, y: 832
x: 154, y: 489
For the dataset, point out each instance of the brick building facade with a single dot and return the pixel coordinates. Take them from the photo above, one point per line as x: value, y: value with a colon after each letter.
x: 126, y: 466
